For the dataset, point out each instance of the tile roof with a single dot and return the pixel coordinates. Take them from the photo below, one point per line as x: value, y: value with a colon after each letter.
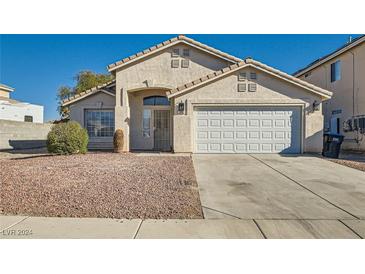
x: 242, y: 64
x: 168, y: 43
x: 85, y: 93
x: 331, y: 55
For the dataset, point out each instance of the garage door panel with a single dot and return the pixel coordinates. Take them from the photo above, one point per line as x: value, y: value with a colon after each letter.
x: 266, y: 135
x: 241, y: 135
x: 254, y: 135
x: 202, y: 123
x: 215, y: 147
x: 241, y: 123
x: 228, y: 148
x: 253, y: 148
x: 254, y: 123
x: 266, y: 148
x: 248, y: 130
x: 215, y: 123
x: 228, y: 134
x: 202, y: 135
x: 240, y: 148
x: 266, y: 123
x: 214, y: 135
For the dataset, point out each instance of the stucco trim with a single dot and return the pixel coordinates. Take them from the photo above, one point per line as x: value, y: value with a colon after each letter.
x: 169, y: 43
x: 137, y: 88
x: 88, y: 92
x: 325, y: 94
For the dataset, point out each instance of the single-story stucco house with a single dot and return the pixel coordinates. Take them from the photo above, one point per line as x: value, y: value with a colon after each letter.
x: 184, y: 96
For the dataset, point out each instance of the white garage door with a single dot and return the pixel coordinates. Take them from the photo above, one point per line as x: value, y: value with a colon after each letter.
x: 248, y: 130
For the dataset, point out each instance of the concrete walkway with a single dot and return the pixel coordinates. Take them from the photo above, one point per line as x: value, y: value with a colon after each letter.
x: 23, y: 227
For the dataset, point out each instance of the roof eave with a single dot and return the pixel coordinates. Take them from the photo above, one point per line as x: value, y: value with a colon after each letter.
x: 81, y: 97
x: 7, y: 89
x: 89, y: 92
x: 325, y: 94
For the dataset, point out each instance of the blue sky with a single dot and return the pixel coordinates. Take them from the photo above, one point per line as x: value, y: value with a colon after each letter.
x: 36, y: 65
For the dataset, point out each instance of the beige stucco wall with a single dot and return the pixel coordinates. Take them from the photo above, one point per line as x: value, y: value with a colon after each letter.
x: 270, y: 91
x: 4, y: 93
x: 77, y: 111
x: 348, y: 98
x: 155, y: 71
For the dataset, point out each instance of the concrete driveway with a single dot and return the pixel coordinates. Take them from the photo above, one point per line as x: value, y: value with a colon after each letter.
x: 283, y: 195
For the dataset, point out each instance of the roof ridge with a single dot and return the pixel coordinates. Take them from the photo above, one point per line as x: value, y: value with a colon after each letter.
x: 245, y: 62
x: 180, y: 37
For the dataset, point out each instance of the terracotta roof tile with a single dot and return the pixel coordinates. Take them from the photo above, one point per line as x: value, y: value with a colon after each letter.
x: 211, y: 75
x: 250, y: 61
x: 170, y: 41
x: 84, y: 93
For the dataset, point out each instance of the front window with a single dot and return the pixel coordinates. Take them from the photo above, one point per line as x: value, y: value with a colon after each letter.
x: 147, y: 123
x: 28, y: 118
x: 156, y: 101
x: 99, y: 123
x: 335, y: 71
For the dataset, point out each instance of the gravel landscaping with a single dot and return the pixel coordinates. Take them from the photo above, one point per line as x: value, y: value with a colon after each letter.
x: 350, y: 163
x: 353, y: 159
x: 100, y: 185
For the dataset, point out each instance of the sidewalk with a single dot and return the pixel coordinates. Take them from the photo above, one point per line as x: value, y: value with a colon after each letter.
x: 24, y: 227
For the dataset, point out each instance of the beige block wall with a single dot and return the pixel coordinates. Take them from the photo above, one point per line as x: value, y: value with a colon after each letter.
x: 155, y: 71
x: 348, y: 92
x: 270, y: 91
x: 23, y: 135
x: 77, y: 111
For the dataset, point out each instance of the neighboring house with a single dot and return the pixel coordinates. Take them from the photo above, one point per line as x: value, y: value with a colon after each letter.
x: 185, y: 96
x: 342, y: 72
x: 14, y: 110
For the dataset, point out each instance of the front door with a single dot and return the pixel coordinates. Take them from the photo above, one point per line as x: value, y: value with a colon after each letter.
x: 161, y: 127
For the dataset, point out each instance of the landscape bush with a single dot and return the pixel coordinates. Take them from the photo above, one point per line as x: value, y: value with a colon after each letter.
x: 67, y: 138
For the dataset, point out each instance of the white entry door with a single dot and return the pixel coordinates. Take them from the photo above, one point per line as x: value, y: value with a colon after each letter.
x: 248, y: 130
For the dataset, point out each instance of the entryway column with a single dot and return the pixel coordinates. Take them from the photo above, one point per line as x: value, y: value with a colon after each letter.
x: 122, y: 113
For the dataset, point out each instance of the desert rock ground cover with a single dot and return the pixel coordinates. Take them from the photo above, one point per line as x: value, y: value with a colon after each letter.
x: 100, y: 185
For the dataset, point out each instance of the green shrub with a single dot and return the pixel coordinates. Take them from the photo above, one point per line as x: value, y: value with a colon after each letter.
x: 67, y: 138
x: 118, y: 140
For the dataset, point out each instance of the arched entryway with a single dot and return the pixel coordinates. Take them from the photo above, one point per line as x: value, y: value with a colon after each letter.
x: 156, y: 113
x: 151, y: 121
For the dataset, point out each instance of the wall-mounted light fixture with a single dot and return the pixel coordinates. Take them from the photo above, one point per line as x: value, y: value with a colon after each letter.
x: 181, y: 106
x: 316, y: 105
